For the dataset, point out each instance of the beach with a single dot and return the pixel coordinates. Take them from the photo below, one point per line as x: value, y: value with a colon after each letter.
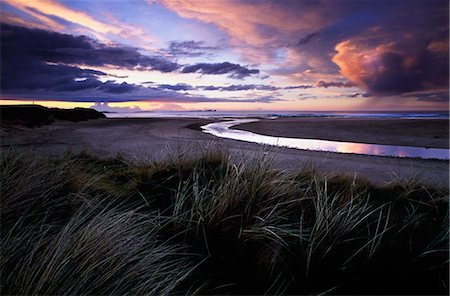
x: 224, y: 147
x: 153, y: 139
x: 431, y: 133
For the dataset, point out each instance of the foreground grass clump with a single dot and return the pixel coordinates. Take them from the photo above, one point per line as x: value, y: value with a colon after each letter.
x: 83, y: 225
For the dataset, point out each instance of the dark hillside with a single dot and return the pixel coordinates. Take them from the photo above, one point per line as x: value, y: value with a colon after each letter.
x: 35, y: 115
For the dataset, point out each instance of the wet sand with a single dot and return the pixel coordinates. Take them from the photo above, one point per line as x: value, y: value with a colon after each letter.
x: 431, y: 133
x: 153, y: 139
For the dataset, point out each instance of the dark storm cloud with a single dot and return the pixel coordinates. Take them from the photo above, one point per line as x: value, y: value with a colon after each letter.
x: 189, y: 48
x: 28, y: 67
x: 22, y: 73
x: 403, y: 52
x: 250, y: 87
x: 62, y: 48
x: 326, y: 84
x: 359, y: 95
x: 396, y: 76
x: 38, y: 65
x: 395, y: 68
x: 267, y: 99
x: 321, y: 84
x: 176, y: 87
x: 233, y: 87
x: 299, y: 87
x: 234, y: 70
x: 433, y: 97
x: 307, y: 39
x: 240, y: 87
x: 398, y: 46
x: 109, y: 87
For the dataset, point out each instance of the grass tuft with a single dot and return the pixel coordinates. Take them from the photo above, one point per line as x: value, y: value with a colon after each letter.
x: 79, y: 224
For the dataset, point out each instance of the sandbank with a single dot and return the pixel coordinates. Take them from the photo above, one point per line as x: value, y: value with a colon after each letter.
x: 432, y: 133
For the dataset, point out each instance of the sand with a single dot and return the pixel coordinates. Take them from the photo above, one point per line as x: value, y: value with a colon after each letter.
x: 153, y: 139
x: 431, y: 133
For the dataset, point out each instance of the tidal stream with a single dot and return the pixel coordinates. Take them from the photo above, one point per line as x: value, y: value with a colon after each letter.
x: 222, y: 130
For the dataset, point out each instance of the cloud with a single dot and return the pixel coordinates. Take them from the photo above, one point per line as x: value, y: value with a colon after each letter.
x: 62, y: 48
x: 42, y: 9
x: 234, y: 70
x: 42, y: 65
x: 307, y: 39
x: 81, y: 50
x: 294, y: 37
x: 267, y: 99
x: 250, y: 87
x: 259, y: 29
x: 240, y: 87
x: 189, y: 48
x: 20, y: 72
x: 15, y: 20
x: 433, y: 97
x: 333, y: 84
x: 34, y: 65
x: 55, y: 16
x: 233, y: 87
x: 176, y: 87
x: 359, y: 95
x: 299, y: 87
x: 255, y: 23
x: 390, y: 69
x: 104, y: 107
x: 321, y: 84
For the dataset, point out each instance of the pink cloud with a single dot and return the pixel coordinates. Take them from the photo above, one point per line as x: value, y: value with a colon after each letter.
x: 41, y: 11
x: 257, y: 29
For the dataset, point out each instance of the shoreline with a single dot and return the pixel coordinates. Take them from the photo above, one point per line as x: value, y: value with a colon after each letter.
x: 154, y: 139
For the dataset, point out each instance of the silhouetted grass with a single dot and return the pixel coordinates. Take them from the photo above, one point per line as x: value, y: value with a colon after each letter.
x: 83, y: 225
x: 36, y: 115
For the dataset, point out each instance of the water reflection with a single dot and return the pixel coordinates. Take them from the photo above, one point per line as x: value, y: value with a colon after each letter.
x: 222, y: 130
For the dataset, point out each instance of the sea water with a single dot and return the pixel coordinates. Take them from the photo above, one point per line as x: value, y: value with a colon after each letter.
x: 275, y: 114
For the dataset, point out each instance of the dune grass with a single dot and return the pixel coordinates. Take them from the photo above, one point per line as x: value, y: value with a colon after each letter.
x: 79, y: 224
x: 37, y: 115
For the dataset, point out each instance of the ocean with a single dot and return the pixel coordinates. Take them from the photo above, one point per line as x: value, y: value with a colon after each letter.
x: 276, y: 114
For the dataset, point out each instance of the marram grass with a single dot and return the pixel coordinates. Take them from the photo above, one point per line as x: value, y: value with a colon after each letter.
x: 83, y: 225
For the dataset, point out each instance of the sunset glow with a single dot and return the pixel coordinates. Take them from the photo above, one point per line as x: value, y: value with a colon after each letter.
x: 226, y: 55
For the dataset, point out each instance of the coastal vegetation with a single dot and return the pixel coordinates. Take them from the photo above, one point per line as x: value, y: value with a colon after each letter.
x: 36, y: 115
x: 80, y: 224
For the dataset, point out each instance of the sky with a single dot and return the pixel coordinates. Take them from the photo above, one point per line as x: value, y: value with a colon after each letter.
x: 311, y: 55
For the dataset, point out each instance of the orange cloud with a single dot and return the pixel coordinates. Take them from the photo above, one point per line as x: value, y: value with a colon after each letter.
x: 381, y: 70
x: 440, y: 46
x: 15, y: 20
x: 40, y: 8
x: 349, y: 58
